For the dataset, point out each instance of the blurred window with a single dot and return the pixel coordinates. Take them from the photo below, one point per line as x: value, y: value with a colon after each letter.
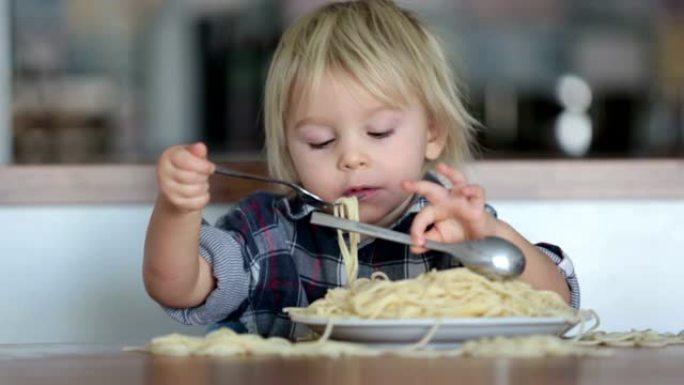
x: 117, y: 81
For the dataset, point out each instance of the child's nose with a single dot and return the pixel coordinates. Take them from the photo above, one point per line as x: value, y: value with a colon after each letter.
x: 352, y: 159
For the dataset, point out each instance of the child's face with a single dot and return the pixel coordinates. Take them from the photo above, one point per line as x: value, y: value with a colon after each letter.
x: 344, y: 142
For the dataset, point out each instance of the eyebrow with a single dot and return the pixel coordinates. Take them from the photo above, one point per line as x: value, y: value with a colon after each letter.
x: 312, y: 121
x: 323, y: 122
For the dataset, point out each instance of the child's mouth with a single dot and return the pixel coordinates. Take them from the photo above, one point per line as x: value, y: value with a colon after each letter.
x: 361, y: 193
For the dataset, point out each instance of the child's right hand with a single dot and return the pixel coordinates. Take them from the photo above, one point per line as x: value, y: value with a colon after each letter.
x: 183, y: 176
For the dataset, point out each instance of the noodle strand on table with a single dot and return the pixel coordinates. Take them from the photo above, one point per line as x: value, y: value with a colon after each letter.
x: 637, y: 338
x: 226, y: 343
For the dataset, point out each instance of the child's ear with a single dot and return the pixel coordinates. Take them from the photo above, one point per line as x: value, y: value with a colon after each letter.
x: 436, y: 141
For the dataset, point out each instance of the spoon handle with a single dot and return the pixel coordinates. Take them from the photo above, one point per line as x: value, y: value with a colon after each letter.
x: 327, y: 220
x: 493, y: 256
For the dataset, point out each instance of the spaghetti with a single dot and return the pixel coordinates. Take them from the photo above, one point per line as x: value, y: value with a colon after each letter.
x: 348, y: 207
x: 449, y: 293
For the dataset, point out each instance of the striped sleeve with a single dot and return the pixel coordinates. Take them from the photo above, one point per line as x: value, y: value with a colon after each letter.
x: 566, y: 268
x: 223, y: 250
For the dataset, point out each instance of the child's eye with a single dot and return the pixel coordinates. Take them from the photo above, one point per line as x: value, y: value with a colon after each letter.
x: 320, y: 145
x: 381, y: 134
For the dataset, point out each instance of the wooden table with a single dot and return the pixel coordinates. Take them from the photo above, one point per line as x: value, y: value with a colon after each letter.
x: 81, y: 364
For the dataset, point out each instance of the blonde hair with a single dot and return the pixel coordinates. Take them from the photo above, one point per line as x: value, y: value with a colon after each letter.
x: 383, y: 47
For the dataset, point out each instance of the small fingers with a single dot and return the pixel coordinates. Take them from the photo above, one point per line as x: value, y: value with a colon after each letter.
x: 188, y: 177
x: 198, y: 149
x: 462, y: 209
x: 424, y: 219
x: 430, y: 235
x: 168, y: 175
x: 454, y: 176
x: 418, y: 250
x: 183, y: 176
x: 185, y: 160
x: 172, y: 189
x: 189, y: 158
x: 187, y: 190
x: 475, y: 195
x: 433, y: 192
x: 469, y: 204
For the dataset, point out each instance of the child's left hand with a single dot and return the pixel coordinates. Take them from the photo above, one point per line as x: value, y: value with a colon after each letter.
x: 454, y: 215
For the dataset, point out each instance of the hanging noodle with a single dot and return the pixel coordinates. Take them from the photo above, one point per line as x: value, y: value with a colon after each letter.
x: 348, y: 208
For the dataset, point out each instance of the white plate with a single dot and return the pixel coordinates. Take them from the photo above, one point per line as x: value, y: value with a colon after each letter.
x: 451, y: 330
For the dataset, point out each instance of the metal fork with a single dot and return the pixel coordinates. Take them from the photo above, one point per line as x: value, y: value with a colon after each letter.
x: 306, y: 195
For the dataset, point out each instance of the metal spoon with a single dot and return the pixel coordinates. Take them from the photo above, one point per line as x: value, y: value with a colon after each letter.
x: 491, y: 256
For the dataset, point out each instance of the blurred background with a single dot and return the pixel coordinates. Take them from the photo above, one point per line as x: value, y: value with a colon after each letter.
x: 102, y: 81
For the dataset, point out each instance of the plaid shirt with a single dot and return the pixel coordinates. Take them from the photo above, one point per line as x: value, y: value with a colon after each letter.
x: 266, y: 256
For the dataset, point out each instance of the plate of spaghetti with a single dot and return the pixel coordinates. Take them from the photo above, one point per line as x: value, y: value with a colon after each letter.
x: 437, y: 306
x: 447, y: 306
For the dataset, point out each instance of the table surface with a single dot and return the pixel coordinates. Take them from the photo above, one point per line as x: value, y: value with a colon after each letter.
x: 72, y: 364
